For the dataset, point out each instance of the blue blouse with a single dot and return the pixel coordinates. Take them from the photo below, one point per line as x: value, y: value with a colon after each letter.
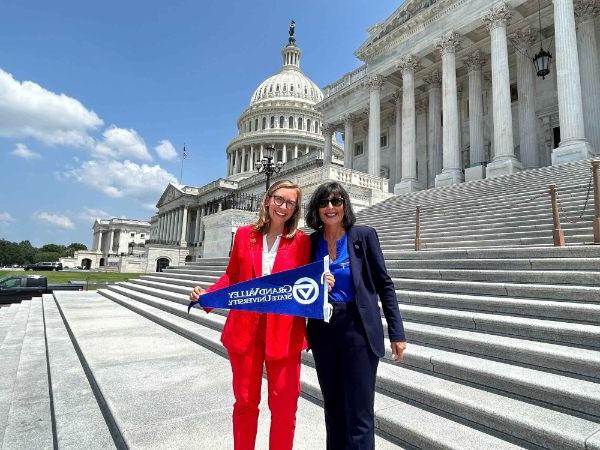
x: 343, y: 290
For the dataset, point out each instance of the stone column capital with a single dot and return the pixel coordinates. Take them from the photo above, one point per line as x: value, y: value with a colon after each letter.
x: 348, y: 119
x: 434, y: 79
x: 375, y: 82
x: 475, y: 61
x: 523, y: 39
x: 586, y: 9
x: 328, y: 129
x: 448, y: 43
x: 498, y: 16
x: 409, y: 63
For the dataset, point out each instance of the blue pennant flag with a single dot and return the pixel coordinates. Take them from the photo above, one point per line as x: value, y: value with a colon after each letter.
x: 298, y: 292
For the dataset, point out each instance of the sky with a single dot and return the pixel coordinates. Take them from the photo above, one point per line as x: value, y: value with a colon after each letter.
x: 97, y: 99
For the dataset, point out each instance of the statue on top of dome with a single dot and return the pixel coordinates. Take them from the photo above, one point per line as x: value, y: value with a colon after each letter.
x: 292, y: 40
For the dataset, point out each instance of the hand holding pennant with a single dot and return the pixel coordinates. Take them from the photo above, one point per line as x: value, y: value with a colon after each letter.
x: 299, y: 292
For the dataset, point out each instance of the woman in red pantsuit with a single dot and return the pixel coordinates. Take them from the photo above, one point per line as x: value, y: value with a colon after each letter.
x: 254, y: 340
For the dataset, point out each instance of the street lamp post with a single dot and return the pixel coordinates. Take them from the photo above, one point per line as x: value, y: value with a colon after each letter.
x: 267, y: 166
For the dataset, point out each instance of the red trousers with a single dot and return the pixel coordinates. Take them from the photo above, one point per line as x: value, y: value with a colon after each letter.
x: 283, y: 378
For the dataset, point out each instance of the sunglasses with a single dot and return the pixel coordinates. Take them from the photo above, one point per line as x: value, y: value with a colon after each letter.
x: 335, y: 201
x: 279, y: 200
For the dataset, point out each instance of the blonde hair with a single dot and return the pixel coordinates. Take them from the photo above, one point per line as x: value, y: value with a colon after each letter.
x: 264, y: 220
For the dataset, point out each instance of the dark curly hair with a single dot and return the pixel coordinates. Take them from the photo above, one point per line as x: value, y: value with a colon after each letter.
x: 324, y: 191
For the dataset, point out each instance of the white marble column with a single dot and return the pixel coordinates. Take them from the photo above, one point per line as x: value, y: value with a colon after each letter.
x: 505, y: 161
x: 178, y: 224
x: 408, y: 183
x: 252, y: 158
x: 197, y: 226
x: 111, y: 238
x: 234, y: 163
x: 348, y: 140
x: 262, y: 151
x: 587, y: 46
x: 184, y: 226
x: 284, y: 154
x: 573, y: 144
x: 477, y: 160
x: 434, y: 126
x: 522, y: 40
x: 374, y: 153
x: 328, y: 131
x: 451, y: 170
x: 397, y: 154
x: 295, y: 151
x: 169, y: 220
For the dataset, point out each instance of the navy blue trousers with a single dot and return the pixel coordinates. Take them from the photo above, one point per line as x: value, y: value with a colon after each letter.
x: 347, y: 369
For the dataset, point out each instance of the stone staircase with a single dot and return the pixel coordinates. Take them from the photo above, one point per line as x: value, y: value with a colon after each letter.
x: 504, y: 333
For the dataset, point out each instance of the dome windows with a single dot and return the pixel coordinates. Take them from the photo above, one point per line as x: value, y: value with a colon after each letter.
x: 255, y: 124
x: 281, y: 120
x: 307, y: 124
x: 290, y: 122
x: 272, y: 121
x: 264, y: 124
x: 300, y: 123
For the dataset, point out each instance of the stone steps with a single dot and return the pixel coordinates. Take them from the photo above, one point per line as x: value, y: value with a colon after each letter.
x: 162, y: 390
x: 10, y: 355
x: 420, y: 357
x: 391, y: 418
x: 29, y: 420
x: 487, y: 409
x: 520, y: 307
x: 566, y: 277
x: 7, y: 315
x: 506, y: 264
x: 589, y: 294
x: 78, y: 416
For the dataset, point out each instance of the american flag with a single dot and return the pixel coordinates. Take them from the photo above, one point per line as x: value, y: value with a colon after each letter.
x: 184, y: 154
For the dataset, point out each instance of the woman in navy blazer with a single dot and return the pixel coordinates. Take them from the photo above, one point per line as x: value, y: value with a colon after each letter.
x: 347, y: 349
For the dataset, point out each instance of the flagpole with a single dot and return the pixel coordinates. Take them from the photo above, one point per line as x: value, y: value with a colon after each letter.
x: 183, y: 156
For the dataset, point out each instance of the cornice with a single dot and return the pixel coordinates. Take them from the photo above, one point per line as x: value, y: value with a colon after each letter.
x: 431, y: 12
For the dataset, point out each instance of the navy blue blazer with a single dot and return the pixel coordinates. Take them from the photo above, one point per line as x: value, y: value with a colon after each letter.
x: 371, y: 280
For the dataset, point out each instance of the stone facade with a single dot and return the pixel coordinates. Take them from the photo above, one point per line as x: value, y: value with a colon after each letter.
x: 457, y: 97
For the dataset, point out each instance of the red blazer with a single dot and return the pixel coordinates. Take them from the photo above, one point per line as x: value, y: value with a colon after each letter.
x: 285, y: 335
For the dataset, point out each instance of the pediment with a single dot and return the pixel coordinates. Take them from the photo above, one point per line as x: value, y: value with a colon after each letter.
x: 171, y: 193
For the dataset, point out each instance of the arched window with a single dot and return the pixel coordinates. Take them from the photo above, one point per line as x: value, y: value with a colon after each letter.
x: 277, y: 88
x: 290, y: 122
x: 307, y: 124
x: 284, y: 87
x: 249, y: 125
x: 300, y: 124
x: 281, y: 119
x: 271, y: 88
x: 264, y: 123
x: 316, y: 126
x: 255, y: 124
x: 291, y: 88
x: 272, y: 121
x: 305, y: 90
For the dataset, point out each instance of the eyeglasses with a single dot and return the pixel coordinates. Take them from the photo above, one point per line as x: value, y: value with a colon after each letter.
x: 335, y: 201
x: 279, y: 200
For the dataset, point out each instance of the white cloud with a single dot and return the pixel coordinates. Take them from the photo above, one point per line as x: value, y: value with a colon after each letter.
x: 165, y: 150
x: 27, y: 110
x: 55, y: 219
x: 123, y: 178
x: 122, y: 143
x: 6, y: 217
x: 22, y: 151
x: 91, y: 214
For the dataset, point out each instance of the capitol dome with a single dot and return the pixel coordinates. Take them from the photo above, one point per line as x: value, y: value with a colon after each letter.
x: 281, y: 115
x: 289, y: 83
